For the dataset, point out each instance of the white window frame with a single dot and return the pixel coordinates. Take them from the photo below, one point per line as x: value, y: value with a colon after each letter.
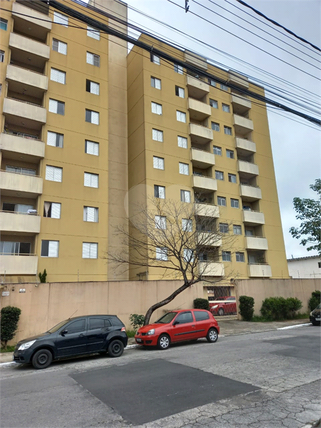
x: 160, y: 222
x: 230, y: 154
x: 2, y: 54
x: 58, y: 76
x: 60, y: 19
x: 179, y: 92
x: 213, y: 103
x: 223, y: 227
x: 53, y: 248
x: 228, y: 130
x: 182, y: 142
x: 226, y: 256
x: 53, y: 173
x: 219, y: 175
x: 156, y: 83
x: 54, y: 106
x: 223, y: 87
x: 226, y: 108
x: 237, y: 229
x: 90, y: 250
x: 157, y: 135
x: 212, y: 82
x: 180, y: 116
x: 155, y: 59
x: 215, y: 126
x: 59, y: 46
x: 187, y: 224
x: 161, y: 254
x: 90, y: 214
x: 185, y: 196
x: 221, y: 201
x: 183, y: 168
x: 239, y: 256
x: 91, y: 180
x: 158, y: 163
x: 217, y: 150
x: 93, y: 33
x: 92, y: 59
x: 232, y: 178
x: 235, y: 203
x: 55, y: 139
x: 91, y: 148
x: 188, y: 255
x: 54, y: 208
x: 157, y: 108
x: 93, y: 116
x: 92, y: 87
x: 178, y: 69
x: 159, y: 191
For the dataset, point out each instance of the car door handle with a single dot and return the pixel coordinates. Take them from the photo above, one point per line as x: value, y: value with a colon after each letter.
x: 193, y: 326
x: 81, y: 335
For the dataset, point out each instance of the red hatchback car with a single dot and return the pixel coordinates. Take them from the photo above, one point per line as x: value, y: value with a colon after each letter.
x: 179, y: 326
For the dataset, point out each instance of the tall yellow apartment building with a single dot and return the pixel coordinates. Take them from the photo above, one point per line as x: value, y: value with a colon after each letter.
x: 87, y: 130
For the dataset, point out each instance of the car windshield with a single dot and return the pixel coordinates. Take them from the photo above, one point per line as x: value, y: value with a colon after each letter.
x: 57, y: 327
x: 167, y: 318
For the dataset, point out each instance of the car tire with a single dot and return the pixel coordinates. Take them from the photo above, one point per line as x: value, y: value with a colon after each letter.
x: 221, y: 311
x: 163, y: 342
x: 41, y: 359
x: 212, y: 335
x: 115, y: 348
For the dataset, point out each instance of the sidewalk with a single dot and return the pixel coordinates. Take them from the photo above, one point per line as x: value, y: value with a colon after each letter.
x: 228, y: 327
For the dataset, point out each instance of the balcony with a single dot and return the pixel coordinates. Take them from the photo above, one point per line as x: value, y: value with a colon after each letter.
x: 209, y: 239
x: 250, y: 193
x: 24, y: 114
x: 240, y: 104
x: 202, y: 159
x: 198, y: 110
x: 14, y: 145
x: 247, y: 169
x: 196, y: 88
x: 26, y: 82
x: 18, y: 265
x: 256, y: 243
x: 204, y: 183
x: 211, y: 269
x: 245, y: 147
x: 242, y: 125
x: 253, y: 218
x: 200, y: 134
x: 238, y: 79
x: 20, y: 185
x: 27, y: 52
x: 31, y: 22
x: 259, y: 271
x: 206, y: 210
x: 19, y: 223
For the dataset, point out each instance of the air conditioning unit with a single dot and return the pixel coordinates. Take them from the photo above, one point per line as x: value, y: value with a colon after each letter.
x: 33, y: 212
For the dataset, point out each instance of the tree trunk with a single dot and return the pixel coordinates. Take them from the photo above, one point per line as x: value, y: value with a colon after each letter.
x: 165, y: 301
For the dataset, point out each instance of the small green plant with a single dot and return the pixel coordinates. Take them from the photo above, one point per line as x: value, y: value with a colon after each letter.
x: 136, y: 321
x: 279, y: 308
x: 43, y: 276
x: 246, y: 307
x: 9, y: 323
x: 130, y: 333
x: 201, y: 304
x: 314, y: 300
x: 7, y: 349
x: 292, y: 306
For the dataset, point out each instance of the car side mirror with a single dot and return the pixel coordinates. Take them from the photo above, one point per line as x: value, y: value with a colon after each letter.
x: 175, y: 322
x: 64, y: 332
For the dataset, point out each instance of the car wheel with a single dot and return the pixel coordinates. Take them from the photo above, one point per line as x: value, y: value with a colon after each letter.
x: 41, y: 359
x: 212, y: 335
x: 163, y: 342
x: 221, y: 311
x: 116, y: 348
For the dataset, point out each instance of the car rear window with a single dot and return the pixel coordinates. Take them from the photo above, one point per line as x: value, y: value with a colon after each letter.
x: 96, y: 323
x: 201, y: 316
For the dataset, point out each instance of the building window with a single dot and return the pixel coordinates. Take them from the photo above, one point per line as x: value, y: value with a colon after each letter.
x: 221, y: 201
x: 157, y: 108
x: 93, y: 59
x: 226, y: 108
x: 53, y: 173
x: 217, y: 150
x: 89, y: 250
x: 187, y: 225
x: 156, y: 83
x: 1, y: 56
x: 49, y: 248
x: 92, y: 117
x: 183, y: 168
x: 54, y: 139
x: 213, y: 103
x: 91, y: 180
x: 185, y: 196
x: 188, y: 255
x: 60, y: 19
x: 161, y: 253
x: 319, y: 265
x: 230, y: 153
x: 0, y: 88
x: 91, y: 214
x: 178, y: 69
x: 3, y: 24
x: 239, y: 257
x: 159, y: 191
x: 155, y: 59
x: 58, y: 76
x: 219, y: 175
x: 212, y: 82
x: 160, y: 222
x: 51, y: 209
x: 10, y: 248
x: 57, y: 107
x: 235, y: 203
x: 223, y: 227
x: 182, y: 142
x: 232, y: 178
x: 226, y: 256
x: 179, y: 92
x: 224, y: 87
x: 237, y: 229
x: 20, y: 170
x: 158, y: 163
x: 157, y: 135
x: 93, y: 33
x: 227, y: 130
x: 91, y: 148
x: 59, y: 46
x: 215, y: 126
x: 92, y: 87
x: 180, y: 116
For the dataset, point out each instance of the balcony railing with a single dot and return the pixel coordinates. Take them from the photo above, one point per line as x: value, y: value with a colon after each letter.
x: 26, y: 264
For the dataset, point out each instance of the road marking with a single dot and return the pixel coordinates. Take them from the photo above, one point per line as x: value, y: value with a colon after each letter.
x: 293, y: 326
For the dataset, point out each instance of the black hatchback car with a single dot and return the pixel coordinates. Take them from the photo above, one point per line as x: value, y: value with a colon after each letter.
x: 76, y: 336
x: 315, y: 315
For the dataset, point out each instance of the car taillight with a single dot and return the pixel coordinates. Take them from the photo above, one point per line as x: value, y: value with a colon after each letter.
x: 123, y: 329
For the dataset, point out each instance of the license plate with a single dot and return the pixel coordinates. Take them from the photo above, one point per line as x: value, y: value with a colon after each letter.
x: 139, y: 340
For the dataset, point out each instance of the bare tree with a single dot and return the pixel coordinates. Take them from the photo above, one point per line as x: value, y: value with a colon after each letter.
x: 181, y: 239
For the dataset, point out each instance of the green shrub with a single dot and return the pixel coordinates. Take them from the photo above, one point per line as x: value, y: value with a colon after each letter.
x: 246, y: 307
x: 136, y: 321
x: 201, y: 304
x: 314, y: 300
x: 279, y: 308
x: 9, y: 322
x: 43, y: 276
x: 292, y: 305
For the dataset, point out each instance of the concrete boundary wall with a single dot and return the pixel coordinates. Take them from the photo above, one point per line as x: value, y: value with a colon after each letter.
x: 44, y: 305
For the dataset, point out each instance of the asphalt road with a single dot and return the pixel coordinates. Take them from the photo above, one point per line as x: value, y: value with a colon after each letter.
x: 258, y: 380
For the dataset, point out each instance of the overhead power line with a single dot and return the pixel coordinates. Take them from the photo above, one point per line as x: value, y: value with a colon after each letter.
x: 277, y: 24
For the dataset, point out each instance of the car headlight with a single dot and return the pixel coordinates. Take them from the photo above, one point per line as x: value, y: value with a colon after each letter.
x: 26, y: 345
x: 152, y: 331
